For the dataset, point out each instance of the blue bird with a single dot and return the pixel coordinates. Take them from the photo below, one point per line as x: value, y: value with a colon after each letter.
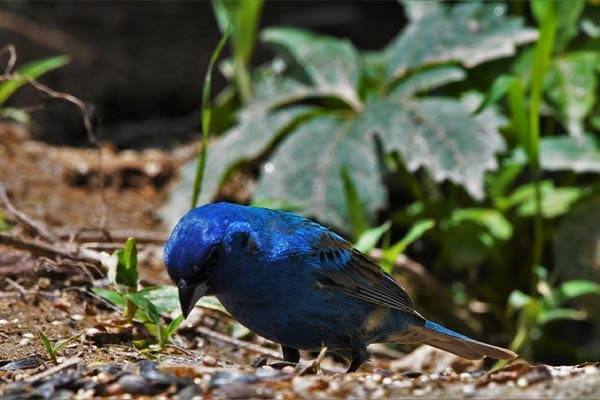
x: 297, y: 283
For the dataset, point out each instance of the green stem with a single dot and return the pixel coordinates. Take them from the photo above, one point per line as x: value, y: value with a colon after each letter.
x: 130, y: 310
x: 541, y: 63
x: 242, y: 78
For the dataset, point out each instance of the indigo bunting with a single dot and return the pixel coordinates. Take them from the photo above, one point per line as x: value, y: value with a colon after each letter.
x: 299, y: 284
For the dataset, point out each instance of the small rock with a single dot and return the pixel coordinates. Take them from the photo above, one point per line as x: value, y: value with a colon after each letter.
x: 190, y: 392
x: 223, y: 378
x: 209, y: 361
x: 468, y: 390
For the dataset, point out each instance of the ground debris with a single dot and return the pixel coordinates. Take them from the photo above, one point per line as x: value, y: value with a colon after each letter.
x: 148, y: 378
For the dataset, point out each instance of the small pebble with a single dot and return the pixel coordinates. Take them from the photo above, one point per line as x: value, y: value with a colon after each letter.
x: 77, y: 317
x: 43, y: 283
x: 465, y: 377
x: 468, y: 390
x: 3, y: 322
x: 24, y: 342
x: 591, y: 369
x: 28, y: 335
x: 288, y: 369
x: 522, y: 382
x: 209, y: 361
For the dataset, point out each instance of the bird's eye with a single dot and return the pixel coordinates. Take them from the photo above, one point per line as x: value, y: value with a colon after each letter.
x: 213, y: 257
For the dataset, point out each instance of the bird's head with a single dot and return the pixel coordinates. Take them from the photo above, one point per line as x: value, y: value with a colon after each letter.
x: 203, y: 247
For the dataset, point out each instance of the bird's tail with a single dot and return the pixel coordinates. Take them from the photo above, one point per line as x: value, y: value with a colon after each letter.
x: 446, y: 339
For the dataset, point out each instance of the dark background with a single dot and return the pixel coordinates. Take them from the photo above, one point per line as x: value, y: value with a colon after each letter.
x: 141, y: 64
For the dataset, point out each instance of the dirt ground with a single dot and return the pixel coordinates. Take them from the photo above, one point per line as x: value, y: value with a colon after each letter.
x: 59, y: 216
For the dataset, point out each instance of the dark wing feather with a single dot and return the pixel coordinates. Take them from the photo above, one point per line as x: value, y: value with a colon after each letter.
x: 362, y: 278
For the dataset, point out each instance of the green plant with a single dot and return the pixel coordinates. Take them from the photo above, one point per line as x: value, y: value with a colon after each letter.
x: 545, y: 306
x: 206, y: 118
x: 242, y: 17
x: 449, y: 134
x: 4, y: 225
x: 11, y: 82
x: 53, y: 349
x: 146, y: 304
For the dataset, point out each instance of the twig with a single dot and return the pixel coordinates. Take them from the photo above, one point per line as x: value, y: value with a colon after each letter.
x: 85, y: 114
x: 24, y: 218
x: 17, y: 286
x: 51, y: 251
x: 237, y: 342
x: 12, y: 57
x: 117, y: 235
x: 51, y: 371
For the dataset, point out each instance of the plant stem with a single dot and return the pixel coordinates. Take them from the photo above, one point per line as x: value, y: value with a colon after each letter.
x: 541, y: 63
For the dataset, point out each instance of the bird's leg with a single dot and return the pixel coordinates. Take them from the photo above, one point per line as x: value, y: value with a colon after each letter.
x: 290, y: 354
x: 359, y: 356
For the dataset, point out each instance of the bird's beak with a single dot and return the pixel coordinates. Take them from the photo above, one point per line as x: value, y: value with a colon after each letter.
x: 189, y: 295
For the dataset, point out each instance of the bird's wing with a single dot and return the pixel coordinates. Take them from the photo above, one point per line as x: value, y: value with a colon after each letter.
x: 360, y: 277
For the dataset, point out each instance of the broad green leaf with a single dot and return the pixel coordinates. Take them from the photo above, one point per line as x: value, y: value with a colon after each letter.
x: 275, y: 85
x: 369, y: 238
x: 440, y: 135
x: 569, y: 153
x: 247, y: 140
x: 470, y: 33
x: 428, y: 79
x: 165, y: 298
x: 566, y: 153
x: 572, y: 87
x: 305, y: 169
x: 576, y: 242
x: 333, y: 65
x: 32, y: 70
x: 374, y: 64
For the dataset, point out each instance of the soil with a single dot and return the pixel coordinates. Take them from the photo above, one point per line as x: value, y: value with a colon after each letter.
x: 72, y: 197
